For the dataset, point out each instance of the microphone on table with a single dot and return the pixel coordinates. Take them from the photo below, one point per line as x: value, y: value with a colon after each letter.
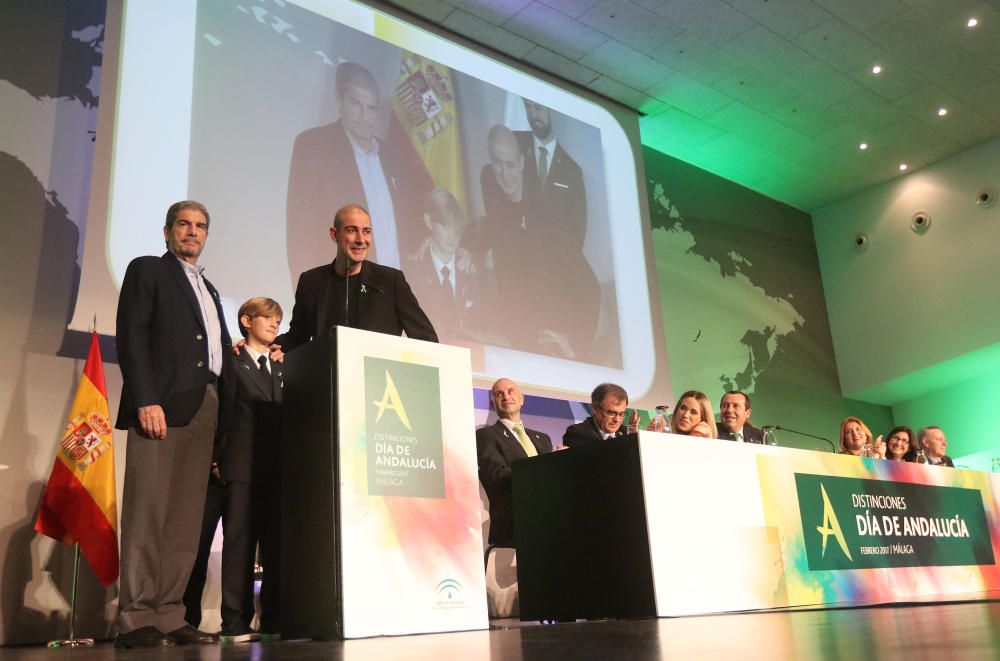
x: 833, y: 448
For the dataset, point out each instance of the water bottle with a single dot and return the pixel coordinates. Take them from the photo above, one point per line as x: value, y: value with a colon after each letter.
x: 659, y: 421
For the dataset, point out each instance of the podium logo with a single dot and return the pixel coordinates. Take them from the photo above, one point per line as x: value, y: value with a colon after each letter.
x: 405, y: 448
x: 831, y: 526
x: 449, y: 594
x: 391, y: 401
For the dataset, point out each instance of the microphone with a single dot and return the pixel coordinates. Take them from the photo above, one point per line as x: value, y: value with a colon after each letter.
x: 833, y: 448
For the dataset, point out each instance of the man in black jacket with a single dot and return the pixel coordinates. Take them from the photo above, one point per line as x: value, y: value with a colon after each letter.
x: 609, y: 403
x: 498, y: 446
x: 734, y: 411
x: 177, y: 392
x: 353, y: 292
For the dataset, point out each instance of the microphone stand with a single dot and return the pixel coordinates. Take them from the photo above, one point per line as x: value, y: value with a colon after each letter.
x: 833, y: 448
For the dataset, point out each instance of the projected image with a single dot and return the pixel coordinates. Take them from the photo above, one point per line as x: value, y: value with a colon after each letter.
x: 492, y: 203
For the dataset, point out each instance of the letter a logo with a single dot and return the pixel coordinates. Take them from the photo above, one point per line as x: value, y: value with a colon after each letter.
x: 831, y: 526
x: 391, y: 400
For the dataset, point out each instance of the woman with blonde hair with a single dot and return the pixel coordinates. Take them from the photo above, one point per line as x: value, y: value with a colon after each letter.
x: 856, y: 439
x: 693, y: 416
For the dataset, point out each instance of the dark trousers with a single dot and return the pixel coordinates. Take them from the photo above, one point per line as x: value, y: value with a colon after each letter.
x: 162, y: 505
x: 230, y: 502
x: 267, y: 513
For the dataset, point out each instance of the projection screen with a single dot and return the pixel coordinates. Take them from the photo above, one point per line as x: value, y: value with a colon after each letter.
x: 238, y: 105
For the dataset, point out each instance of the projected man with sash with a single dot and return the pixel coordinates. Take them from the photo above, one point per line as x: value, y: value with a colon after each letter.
x: 347, y: 162
x: 534, y: 244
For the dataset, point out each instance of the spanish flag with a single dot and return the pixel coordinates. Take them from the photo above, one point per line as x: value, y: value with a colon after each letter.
x: 424, y: 104
x: 79, y: 505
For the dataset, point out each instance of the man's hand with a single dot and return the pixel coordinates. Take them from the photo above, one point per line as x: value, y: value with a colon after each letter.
x: 277, y: 355
x: 153, y: 421
x: 239, y: 347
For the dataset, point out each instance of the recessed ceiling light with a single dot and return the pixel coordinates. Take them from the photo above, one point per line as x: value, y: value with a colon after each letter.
x: 903, y: 166
x: 942, y: 112
x: 877, y: 69
x: 863, y: 146
x: 973, y: 22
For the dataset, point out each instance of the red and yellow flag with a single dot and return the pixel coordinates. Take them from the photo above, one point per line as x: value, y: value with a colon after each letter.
x: 79, y: 505
x: 425, y: 105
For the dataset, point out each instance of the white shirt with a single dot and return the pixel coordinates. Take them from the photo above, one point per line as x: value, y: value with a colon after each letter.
x: 378, y: 196
x: 438, y: 265
x: 255, y: 356
x: 209, y: 314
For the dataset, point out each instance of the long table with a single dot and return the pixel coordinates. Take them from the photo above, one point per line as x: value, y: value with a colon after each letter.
x: 665, y: 525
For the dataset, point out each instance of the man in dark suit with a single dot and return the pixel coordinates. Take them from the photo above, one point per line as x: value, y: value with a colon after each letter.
x: 498, y: 446
x: 609, y: 403
x: 353, y: 292
x: 244, y: 489
x: 934, y: 443
x: 346, y: 162
x: 450, y: 296
x: 177, y: 392
x: 735, y: 414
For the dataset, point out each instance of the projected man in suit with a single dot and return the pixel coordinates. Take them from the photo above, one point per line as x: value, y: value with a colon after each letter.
x: 526, y: 253
x: 245, y: 487
x: 734, y: 411
x: 347, y: 162
x: 558, y: 194
x: 609, y: 403
x: 498, y: 446
x: 351, y: 291
x: 177, y: 392
x: 449, y: 295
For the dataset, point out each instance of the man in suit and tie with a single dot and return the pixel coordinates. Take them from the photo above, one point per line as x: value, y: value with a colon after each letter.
x: 347, y: 161
x: 734, y: 410
x: 449, y: 295
x: 610, y: 404
x: 245, y: 487
x: 351, y: 291
x: 498, y: 446
x: 177, y: 392
x: 934, y: 443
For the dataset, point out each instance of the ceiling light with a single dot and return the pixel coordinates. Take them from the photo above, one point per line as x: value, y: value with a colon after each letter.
x: 973, y: 22
x: 863, y: 146
x: 877, y: 69
x: 902, y: 167
x: 942, y: 112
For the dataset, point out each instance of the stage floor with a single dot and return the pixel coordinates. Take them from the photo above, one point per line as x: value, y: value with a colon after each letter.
x: 969, y: 630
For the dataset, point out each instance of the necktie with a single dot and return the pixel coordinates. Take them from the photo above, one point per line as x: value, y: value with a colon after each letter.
x: 738, y: 436
x: 543, y: 165
x: 522, y: 438
x: 446, y: 282
x: 262, y: 364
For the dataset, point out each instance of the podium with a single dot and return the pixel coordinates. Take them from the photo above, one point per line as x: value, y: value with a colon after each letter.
x: 380, y: 494
x: 665, y: 525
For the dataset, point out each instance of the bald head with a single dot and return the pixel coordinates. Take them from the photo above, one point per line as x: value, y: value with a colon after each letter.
x: 507, y: 162
x: 507, y: 399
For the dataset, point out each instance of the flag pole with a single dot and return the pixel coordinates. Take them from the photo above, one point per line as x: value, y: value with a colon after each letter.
x: 73, y: 641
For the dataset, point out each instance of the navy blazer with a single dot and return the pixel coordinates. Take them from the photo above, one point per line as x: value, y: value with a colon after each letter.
x: 162, y: 352
x: 254, y: 437
x: 586, y: 432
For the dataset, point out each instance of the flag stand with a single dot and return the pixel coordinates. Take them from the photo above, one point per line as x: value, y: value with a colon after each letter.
x: 73, y: 641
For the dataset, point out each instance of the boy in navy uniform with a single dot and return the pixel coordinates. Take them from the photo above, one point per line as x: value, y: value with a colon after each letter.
x: 244, y: 489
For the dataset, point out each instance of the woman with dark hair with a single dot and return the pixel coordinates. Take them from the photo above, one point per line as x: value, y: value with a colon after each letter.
x: 901, y: 445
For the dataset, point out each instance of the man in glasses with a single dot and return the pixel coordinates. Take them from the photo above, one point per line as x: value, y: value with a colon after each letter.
x: 610, y: 404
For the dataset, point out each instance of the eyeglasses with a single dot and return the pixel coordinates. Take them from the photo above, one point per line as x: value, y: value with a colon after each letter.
x: 614, y: 415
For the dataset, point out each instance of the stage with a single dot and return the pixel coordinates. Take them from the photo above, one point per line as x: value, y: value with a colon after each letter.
x: 966, y: 630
